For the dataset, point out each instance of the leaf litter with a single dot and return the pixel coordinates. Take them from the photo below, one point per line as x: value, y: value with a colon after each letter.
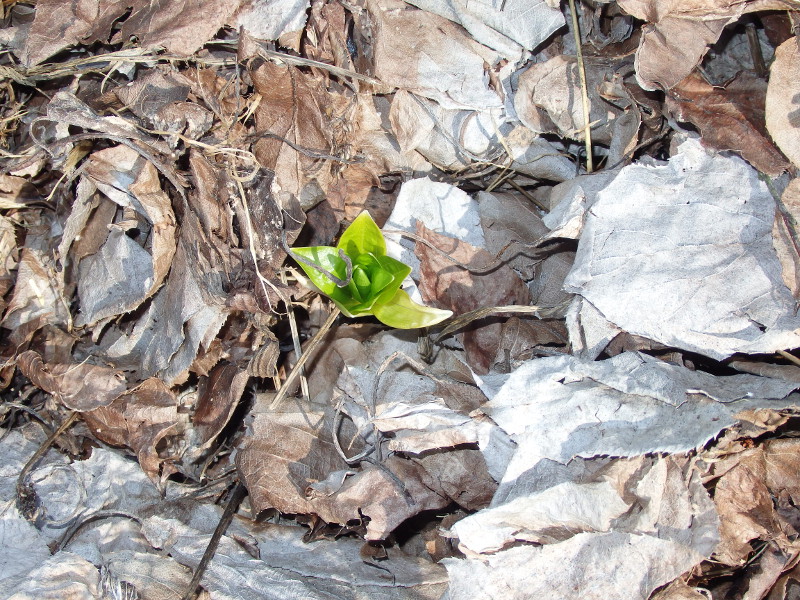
x: 610, y: 413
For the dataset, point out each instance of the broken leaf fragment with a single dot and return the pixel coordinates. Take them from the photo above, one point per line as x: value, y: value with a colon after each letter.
x: 362, y: 280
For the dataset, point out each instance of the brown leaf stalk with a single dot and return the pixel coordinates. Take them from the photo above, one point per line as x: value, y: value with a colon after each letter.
x: 587, y: 129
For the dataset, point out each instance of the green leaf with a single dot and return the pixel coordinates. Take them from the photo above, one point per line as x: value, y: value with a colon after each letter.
x: 402, y: 312
x: 398, y: 272
x: 362, y: 237
x: 328, y: 258
x: 374, y: 285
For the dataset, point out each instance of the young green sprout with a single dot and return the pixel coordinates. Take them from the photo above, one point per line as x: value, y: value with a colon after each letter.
x: 362, y: 280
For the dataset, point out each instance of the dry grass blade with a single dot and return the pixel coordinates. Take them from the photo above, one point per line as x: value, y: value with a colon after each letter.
x: 307, y: 62
x: 542, y: 312
x: 584, y: 91
x: 298, y: 367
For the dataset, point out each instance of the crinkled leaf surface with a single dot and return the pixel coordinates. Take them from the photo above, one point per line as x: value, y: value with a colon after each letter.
x: 661, y: 245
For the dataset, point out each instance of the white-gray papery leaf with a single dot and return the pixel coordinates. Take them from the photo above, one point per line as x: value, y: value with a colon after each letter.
x: 682, y: 253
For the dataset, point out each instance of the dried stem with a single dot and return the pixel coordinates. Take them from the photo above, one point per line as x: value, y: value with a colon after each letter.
x: 298, y: 367
x: 587, y: 128
x: 24, y: 493
x: 238, y: 494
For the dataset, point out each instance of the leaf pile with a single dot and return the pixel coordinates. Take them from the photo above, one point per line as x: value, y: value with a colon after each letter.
x: 609, y: 414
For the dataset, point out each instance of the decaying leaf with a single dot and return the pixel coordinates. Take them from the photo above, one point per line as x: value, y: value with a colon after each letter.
x: 181, y: 316
x: 783, y: 100
x: 549, y: 98
x: 283, y: 454
x: 56, y: 26
x: 123, y: 274
x: 139, y: 419
x: 295, y: 131
x: 80, y: 387
x: 450, y: 139
x: 217, y: 397
x: 388, y: 495
x: 729, y: 118
x: 459, y: 290
x: 755, y: 496
x: 680, y: 33
x: 37, y: 298
x: 786, y: 236
x: 8, y: 257
x: 657, y: 260
x: 521, y: 24
x: 280, y: 20
x: 431, y: 56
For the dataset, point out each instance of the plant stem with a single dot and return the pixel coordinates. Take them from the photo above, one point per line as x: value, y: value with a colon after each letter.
x: 298, y: 367
x: 238, y: 494
x: 587, y: 131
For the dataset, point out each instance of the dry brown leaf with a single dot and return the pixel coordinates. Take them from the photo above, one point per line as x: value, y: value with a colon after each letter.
x: 783, y: 100
x: 756, y: 367
x: 678, y: 590
x: 152, y: 91
x: 756, y: 498
x: 326, y: 36
x: 730, y: 118
x: 158, y: 98
x: 179, y: 26
x: 79, y: 386
x: 680, y: 31
x: 38, y: 297
x: 210, y: 201
x: 282, y: 454
x: 519, y: 340
x: 548, y: 99
x: 67, y: 109
x: 788, y: 583
x: 450, y: 286
x: 786, y: 236
x: 186, y: 312
x: 16, y: 192
x: 387, y: 501
x: 421, y: 52
x: 122, y: 274
x: 462, y: 475
x: 509, y: 218
x: 8, y: 258
x: 217, y: 398
x: 57, y: 26
x: 771, y: 565
x: 140, y: 419
x: 295, y: 130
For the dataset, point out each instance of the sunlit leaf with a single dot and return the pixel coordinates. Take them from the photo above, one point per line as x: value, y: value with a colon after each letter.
x: 362, y: 237
x: 402, y: 312
x: 373, y: 285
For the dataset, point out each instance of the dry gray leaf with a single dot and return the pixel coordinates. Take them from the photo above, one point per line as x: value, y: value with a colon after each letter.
x: 518, y: 25
x: 433, y: 57
x: 661, y: 245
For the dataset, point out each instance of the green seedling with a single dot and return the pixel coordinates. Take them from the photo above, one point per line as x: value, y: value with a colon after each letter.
x: 362, y: 280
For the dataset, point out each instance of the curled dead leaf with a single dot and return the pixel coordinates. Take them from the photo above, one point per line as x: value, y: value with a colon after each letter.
x: 80, y: 387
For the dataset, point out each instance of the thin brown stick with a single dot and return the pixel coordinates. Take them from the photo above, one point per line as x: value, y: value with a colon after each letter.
x: 238, y: 494
x: 541, y: 312
x: 587, y: 128
x: 24, y: 492
x: 301, y: 360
